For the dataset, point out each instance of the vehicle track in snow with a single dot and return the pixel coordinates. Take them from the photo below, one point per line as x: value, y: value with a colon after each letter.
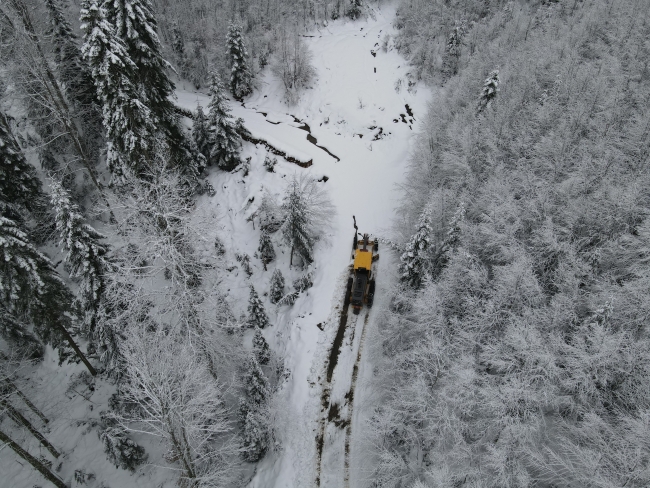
x: 335, y: 430
x: 350, y: 397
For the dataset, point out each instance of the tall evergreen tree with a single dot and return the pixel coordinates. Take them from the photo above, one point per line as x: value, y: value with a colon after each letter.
x: 225, y: 142
x: 135, y: 24
x: 31, y: 289
x: 415, y: 257
x: 256, y: 386
x: 200, y: 133
x: 86, y: 255
x: 277, y: 286
x: 74, y: 72
x: 129, y: 124
x: 265, y: 249
x: 240, y: 74
x: 178, y: 46
x: 296, y: 226
x: 256, y: 314
x: 20, y: 188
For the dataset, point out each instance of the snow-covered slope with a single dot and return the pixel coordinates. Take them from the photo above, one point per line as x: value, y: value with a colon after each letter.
x: 360, y: 110
x: 356, y: 128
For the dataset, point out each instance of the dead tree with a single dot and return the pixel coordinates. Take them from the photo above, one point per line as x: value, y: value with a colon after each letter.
x: 39, y: 466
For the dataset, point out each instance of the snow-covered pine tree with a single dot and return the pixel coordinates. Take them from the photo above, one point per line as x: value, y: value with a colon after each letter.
x: 240, y: 73
x: 354, y: 10
x: 120, y: 449
x: 86, y: 255
x: 225, y: 142
x: 256, y: 438
x: 256, y: 387
x: 20, y: 188
x: 452, y: 53
x: 256, y: 314
x: 490, y: 90
x: 200, y: 133
x: 135, y: 24
x: 261, y: 347
x: 74, y: 72
x: 414, y: 266
x: 442, y: 254
x: 265, y: 249
x: 128, y: 121
x: 295, y: 229
x: 30, y: 288
x: 277, y: 286
x: 255, y: 430
x: 178, y: 46
x: 17, y: 333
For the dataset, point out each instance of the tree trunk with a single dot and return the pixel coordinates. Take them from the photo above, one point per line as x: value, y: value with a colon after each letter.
x: 40, y: 467
x: 74, y: 346
x: 12, y: 386
x: 18, y: 417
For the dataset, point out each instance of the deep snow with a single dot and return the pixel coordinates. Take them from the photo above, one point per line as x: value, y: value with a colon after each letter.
x: 348, y: 106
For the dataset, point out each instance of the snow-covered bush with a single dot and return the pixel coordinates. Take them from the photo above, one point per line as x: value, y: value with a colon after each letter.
x: 270, y: 214
x: 305, y: 282
x: 289, y: 298
x: 219, y: 248
x: 245, y: 261
x: 270, y: 163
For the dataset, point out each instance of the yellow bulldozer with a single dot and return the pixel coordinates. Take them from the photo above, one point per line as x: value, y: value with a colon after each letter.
x: 361, y: 285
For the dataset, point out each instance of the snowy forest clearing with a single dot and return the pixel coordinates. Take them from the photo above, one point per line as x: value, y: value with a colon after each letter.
x: 348, y: 107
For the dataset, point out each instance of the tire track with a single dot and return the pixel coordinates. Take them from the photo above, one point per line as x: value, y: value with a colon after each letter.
x: 350, y: 397
x: 327, y: 414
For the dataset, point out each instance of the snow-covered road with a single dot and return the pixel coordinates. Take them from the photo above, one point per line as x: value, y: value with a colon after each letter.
x: 360, y: 110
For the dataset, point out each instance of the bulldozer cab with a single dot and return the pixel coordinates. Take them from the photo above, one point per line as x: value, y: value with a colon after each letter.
x: 362, y: 260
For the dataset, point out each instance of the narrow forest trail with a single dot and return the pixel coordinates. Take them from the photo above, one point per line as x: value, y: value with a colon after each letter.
x: 356, y: 125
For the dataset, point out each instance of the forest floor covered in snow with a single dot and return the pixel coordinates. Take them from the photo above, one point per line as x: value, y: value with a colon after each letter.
x: 355, y: 124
